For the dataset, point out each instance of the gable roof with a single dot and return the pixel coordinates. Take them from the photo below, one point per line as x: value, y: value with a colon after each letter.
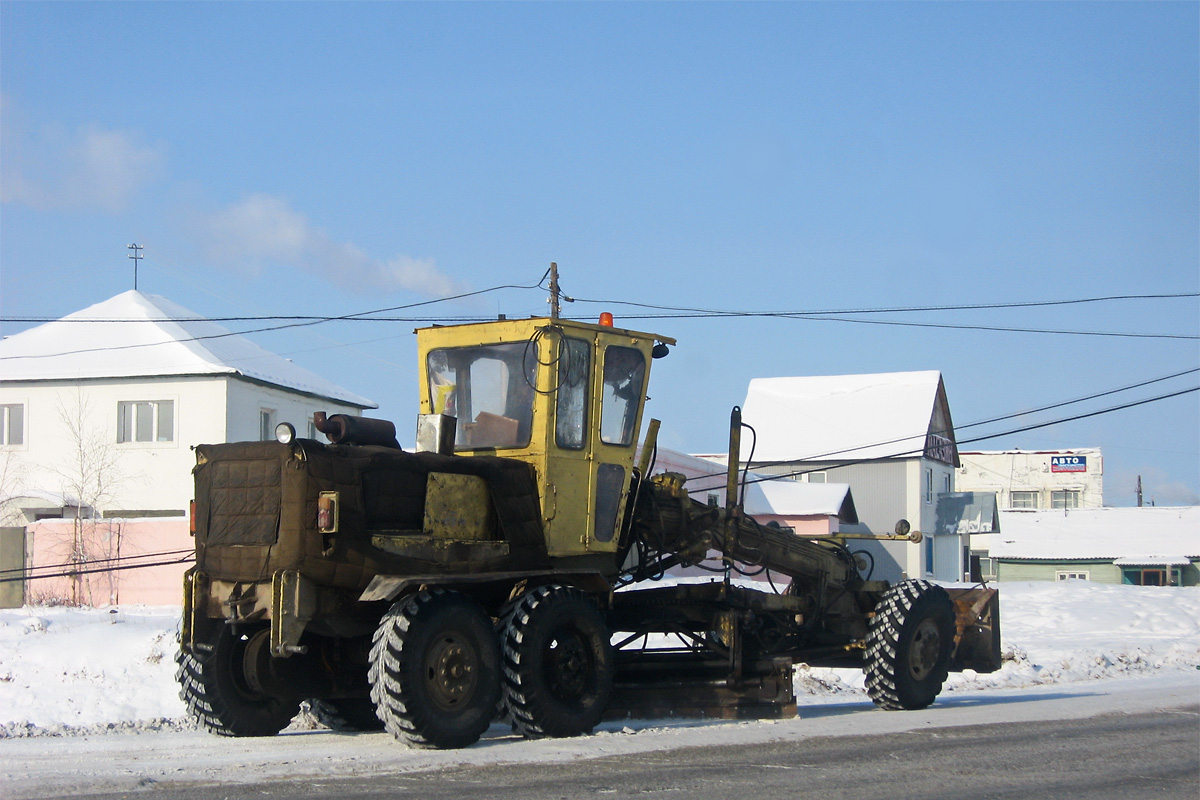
x: 1135, y: 534
x: 144, y: 335
x: 843, y: 417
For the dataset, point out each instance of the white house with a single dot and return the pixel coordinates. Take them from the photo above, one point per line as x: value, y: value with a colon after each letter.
x: 100, y: 408
x: 1028, y: 479
x: 889, y: 436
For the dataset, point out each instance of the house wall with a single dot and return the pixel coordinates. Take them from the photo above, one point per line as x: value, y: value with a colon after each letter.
x: 805, y: 525
x: 1019, y: 471
x: 71, y: 432
x: 246, y: 400
x: 130, y: 542
x: 137, y: 476
x: 886, y: 492
x: 1098, y: 571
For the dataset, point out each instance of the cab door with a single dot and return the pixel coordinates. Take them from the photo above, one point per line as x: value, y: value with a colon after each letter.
x: 597, y: 401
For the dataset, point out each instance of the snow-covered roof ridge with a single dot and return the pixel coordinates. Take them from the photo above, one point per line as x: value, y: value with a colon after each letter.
x: 1123, y: 533
x: 841, y: 417
x: 142, y: 335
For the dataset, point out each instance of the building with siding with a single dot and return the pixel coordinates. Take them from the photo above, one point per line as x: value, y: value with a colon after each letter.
x: 888, y: 436
x: 1136, y: 546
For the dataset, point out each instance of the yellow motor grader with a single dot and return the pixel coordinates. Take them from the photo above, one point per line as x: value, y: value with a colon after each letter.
x: 510, y: 567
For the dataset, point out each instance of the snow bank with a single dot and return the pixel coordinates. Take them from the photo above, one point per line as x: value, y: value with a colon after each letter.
x: 92, y: 670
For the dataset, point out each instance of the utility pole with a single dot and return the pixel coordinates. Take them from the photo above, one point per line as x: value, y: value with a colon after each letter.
x: 137, y: 256
x: 1139, y: 491
x: 554, y: 306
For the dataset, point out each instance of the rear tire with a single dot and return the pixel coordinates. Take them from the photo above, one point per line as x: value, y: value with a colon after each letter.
x: 219, y: 694
x: 908, y: 646
x: 558, y: 662
x: 435, y: 670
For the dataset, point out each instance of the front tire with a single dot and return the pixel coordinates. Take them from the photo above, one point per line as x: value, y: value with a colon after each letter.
x: 220, y: 692
x: 435, y: 670
x: 908, y: 646
x: 558, y: 662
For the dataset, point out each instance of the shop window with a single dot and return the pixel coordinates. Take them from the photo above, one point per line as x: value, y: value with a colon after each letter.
x: 1144, y: 576
x: 12, y: 424
x: 1023, y: 500
x: 1064, y: 499
x: 146, y: 421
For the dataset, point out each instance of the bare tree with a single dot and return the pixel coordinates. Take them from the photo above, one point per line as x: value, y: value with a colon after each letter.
x: 90, y: 473
x: 12, y: 480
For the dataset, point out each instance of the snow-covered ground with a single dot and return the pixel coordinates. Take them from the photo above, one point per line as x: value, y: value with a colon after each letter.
x: 66, y: 670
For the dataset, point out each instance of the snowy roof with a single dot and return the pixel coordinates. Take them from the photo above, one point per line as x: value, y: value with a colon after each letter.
x: 163, y: 339
x: 1142, y: 534
x: 781, y: 497
x: 840, y: 417
x: 787, y: 498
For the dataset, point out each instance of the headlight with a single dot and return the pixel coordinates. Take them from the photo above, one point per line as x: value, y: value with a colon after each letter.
x: 285, y: 433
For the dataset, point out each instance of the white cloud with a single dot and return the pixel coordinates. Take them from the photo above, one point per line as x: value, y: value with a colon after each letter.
x: 89, y: 168
x: 265, y: 228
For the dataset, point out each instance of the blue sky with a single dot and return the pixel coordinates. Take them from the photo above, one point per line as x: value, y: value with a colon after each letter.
x: 316, y: 158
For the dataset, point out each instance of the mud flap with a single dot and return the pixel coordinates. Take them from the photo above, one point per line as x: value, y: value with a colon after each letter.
x: 977, y: 629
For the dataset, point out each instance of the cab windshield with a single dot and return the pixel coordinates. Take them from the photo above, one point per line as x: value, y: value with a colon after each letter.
x: 489, y: 388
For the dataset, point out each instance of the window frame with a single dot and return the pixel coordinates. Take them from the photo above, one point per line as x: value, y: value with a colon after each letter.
x: 1026, y: 494
x: 1065, y: 494
x: 1072, y: 575
x: 6, y: 427
x: 130, y: 422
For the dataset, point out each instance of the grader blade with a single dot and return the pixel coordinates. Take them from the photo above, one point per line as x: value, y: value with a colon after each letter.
x: 977, y: 629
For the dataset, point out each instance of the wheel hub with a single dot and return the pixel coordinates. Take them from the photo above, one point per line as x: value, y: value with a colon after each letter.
x: 452, y: 670
x: 925, y: 649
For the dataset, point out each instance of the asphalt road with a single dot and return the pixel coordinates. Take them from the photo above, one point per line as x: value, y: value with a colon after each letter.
x: 1115, y: 756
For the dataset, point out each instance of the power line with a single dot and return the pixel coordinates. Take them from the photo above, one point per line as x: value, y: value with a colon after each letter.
x: 773, y: 315
x: 989, y: 421
x: 898, y: 309
x: 970, y: 441
x: 308, y: 321
x: 366, y: 315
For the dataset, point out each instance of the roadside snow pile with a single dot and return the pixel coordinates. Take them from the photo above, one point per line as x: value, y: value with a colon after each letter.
x: 68, y: 671
x: 1062, y: 633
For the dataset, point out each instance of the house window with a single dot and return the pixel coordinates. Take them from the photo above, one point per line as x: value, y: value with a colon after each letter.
x: 12, y: 424
x: 816, y: 477
x: 146, y: 421
x: 1023, y: 500
x: 929, y: 487
x: 987, y: 568
x: 714, y: 499
x: 946, y: 483
x: 266, y: 424
x: 1072, y: 575
x: 312, y: 429
x: 1144, y: 576
x: 1064, y: 499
